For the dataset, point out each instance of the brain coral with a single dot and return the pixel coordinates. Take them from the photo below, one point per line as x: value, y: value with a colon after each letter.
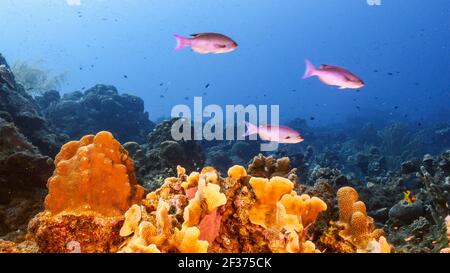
x: 93, y: 174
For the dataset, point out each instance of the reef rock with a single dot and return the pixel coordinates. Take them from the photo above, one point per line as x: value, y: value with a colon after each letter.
x: 99, y: 108
x: 23, y: 173
x: 19, y: 107
x: 405, y: 213
x: 159, y: 157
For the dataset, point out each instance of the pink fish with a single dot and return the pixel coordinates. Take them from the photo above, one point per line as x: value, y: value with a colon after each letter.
x: 280, y: 134
x: 333, y: 75
x: 205, y: 43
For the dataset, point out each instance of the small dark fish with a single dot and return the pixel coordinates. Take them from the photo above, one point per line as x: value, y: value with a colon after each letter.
x: 375, y: 70
x: 390, y: 73
x: 125, y: 76
x: 420, y: 123
x: 312, y: 118
x: 293, y: 90
x: 396, y: 107
x: 161, y: 84
x: 186, y: 98
x: 264, y: 95
x: 359, y: 108
x: 207, y: 85
x: 161, y: 96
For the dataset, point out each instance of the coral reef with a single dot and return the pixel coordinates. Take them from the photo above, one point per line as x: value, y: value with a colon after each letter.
x: 204, y: 213
x: 97, y: 109
x: 161, y: 155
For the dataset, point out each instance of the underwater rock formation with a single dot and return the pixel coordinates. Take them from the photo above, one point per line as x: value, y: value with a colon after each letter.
x: 161, y: 155
x: 404, y: 213
x: 23, y: 174
x: 92, y: 186
x: 97, y: 109
x: 19, y: 107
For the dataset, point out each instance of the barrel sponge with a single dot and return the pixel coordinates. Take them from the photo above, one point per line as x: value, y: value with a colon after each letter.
x: 346, y: 197
x: 237, y: 172
x: 93, y: 174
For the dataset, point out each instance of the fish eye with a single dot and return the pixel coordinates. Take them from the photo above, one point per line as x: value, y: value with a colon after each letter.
x: 288, y: 137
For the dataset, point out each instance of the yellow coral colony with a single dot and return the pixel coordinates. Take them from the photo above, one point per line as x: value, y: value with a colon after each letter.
x: 165, y: 237
x: 358, y: 227
x: 280, y: 210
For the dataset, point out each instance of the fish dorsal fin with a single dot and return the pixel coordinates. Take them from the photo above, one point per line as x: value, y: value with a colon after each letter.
x: 325, y: 66
x: 196, y: 35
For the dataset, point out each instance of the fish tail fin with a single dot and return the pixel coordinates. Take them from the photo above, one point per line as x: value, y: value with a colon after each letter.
x: 251, y: 129
x: 182, y: 42
x: 310, y: 69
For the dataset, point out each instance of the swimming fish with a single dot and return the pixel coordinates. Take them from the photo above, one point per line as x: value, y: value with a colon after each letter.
x: 409, y: 197
x: 333, y: 75
x: 205, y: 43
x: 279, y: 133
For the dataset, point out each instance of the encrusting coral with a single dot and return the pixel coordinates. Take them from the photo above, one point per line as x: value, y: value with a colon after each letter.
x: 92, y: 186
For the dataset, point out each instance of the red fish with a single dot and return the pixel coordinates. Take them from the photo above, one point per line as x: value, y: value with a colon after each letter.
x: 333, y: 75
x: 279, y: 133
x: 205, y: 43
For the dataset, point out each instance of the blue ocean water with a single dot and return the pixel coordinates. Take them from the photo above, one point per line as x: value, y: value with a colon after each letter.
x: 399, y: 48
